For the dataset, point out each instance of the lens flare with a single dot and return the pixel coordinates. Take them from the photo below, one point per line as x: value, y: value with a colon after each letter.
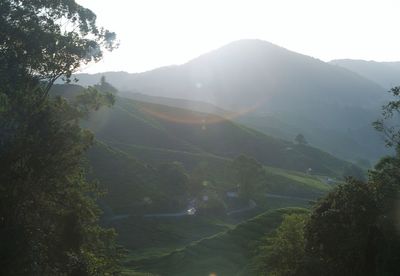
x: 185, y: 116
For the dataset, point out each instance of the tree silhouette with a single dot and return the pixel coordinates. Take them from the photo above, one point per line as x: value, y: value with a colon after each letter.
x: 300, y: 139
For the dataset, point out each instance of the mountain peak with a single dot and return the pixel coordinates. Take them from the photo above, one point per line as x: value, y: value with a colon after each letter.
x: 251, y: 43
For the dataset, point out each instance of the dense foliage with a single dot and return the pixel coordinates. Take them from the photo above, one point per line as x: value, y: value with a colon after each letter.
x: 247, y: 174
x: 341, y: 232
x: 48, y: 214
x: 351, y: 231
x: 354, y: 230
x: 46, y: 39
x: 283, y: 250
x: 300, y: 139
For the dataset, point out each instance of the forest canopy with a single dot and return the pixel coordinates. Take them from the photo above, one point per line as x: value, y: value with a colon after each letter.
x: 48, y: 212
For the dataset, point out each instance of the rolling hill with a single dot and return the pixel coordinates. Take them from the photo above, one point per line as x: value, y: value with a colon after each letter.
x: 274, y: 90
x: 134, y: 137
x: 386, y: 74
x: 156, y: 133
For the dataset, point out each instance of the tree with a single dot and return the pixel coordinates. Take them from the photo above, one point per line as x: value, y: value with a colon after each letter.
x: 105, y: 86
x: 385, y: 179
x: 282, y: 253
x: 386, y: 125
x: 43, y: 40
x: 341, y: 232
x: 354, y: 229
x: 248, y: 174
x: 300, y: 139
x: 174, y: 185
x: 354, y: 171
x: 48, y: 213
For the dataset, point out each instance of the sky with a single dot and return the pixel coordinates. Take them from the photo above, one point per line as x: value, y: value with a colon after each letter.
x: 155, y: 33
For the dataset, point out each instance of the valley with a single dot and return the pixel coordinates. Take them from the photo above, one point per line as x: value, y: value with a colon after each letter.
x: 181, y: 142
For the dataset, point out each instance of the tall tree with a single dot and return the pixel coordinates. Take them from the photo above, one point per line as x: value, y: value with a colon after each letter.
x: 174, y: 185
x: 341, y: 231
x: 48, y: 215
x: 247, y: 174
x: 387, y: 124
x: 354, y: 229
x: 300, y: 139
x: 43, y: 40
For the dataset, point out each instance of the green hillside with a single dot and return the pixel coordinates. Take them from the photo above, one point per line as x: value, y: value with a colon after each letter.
x: 128, y: 181
x: 134, y: 138
x: 226, y: 253
x: 157, y: 133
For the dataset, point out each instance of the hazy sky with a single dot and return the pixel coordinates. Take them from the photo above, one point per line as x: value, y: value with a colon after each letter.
x: 156, y: 33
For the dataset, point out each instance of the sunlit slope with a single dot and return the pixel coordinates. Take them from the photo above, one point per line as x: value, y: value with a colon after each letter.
x: 157, y: 133
x: 332, y: 106
x: 131, y: 135
x: 227, y: 253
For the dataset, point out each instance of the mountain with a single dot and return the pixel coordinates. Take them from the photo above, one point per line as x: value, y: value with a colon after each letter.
x: 386, y: 74
x: 240, y: 74
x: 274, y: 90
x: 133, y: 138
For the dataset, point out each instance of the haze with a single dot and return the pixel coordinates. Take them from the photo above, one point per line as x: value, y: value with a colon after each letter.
x: 158, y: 33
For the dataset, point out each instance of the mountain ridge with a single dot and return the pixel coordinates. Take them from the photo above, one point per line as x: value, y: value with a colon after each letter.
x: 255, y: 79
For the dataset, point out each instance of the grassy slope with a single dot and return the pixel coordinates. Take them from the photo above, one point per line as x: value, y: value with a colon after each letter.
x: 294, y: 183
x: 155, y: 132
x: 128, y: 181
x: 227, y: 253
x: 132, y: 129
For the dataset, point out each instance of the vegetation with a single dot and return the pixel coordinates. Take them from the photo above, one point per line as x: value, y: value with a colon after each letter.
x: 283, y: 251
x: 190, y: 191
x: 48, y: 215
x: 227, y: 253
x: 300, y: 139
x: 247, y: 173
x: 134, y: 187
x: 158, y: 134
x: 355, y: 172
x: 351, y: 231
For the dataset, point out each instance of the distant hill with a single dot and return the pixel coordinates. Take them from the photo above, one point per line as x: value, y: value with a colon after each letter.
x: 386, y: 74
x: 180, y: 103
x: 133, y: 137
x: 156, y: 133
x: 274, y: 90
